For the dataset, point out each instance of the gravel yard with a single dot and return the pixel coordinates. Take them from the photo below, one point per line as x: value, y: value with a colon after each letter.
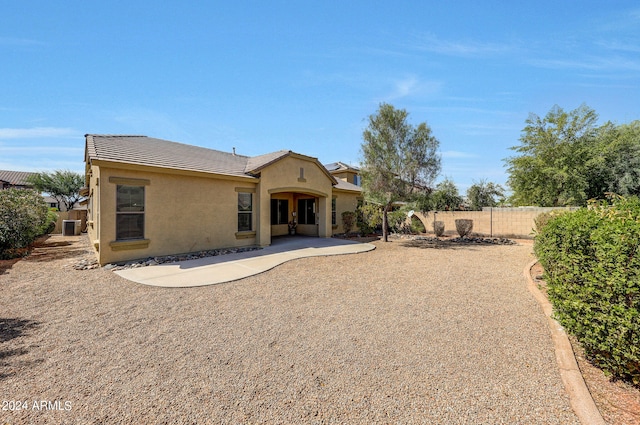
x: 406, y: 333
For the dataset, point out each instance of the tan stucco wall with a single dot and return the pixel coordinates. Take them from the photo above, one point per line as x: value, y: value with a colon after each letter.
x: 284, y: 176
x: 345, y: 201
x: 93, y: 207
x: 188, y: 212
x: 348, y: 176
x: 183, y: 213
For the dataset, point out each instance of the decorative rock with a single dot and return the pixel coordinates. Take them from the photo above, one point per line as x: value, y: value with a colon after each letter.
x: 459, y: 240
x: 154, y: 261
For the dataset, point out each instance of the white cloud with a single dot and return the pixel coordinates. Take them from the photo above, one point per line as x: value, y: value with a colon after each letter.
x: 43, y: 150
x: 431, y: 43
x: 37, y: 132
x: 413, y: 86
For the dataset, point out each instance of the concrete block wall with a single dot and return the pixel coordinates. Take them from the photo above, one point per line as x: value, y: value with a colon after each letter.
x: 490, y: 222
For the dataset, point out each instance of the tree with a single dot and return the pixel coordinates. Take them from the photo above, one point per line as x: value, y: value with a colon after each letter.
x: 446, y: 197
x: 552, y: 168
x: 400, y: 160
x: 63, y: 185
x: 483, y: 194
x: 616, y: 165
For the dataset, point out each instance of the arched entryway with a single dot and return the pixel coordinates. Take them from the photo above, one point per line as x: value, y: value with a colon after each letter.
x: 295, y: 211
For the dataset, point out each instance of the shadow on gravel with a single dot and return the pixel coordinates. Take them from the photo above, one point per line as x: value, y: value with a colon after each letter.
x: 5, y: 265
x: 51, y: 250
x: 14, y: 328
x: 11, y: 328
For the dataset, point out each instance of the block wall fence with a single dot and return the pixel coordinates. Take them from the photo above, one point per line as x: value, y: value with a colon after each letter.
x: 490, y: 222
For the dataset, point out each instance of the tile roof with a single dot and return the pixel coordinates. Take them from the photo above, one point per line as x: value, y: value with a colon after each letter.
x: 143, y: 150
x: 256, y: 163
x: 14, y: 178
x: 347, y: 186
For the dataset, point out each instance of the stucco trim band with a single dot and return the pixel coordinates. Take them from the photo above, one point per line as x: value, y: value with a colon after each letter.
x: 126, y: 245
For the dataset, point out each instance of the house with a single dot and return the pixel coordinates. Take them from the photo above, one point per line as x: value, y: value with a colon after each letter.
x: 150, y: 197
x: 14, y: 179
x: 345, y: 172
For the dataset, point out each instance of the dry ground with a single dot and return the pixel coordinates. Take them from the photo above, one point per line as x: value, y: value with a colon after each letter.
x: 402, y: 334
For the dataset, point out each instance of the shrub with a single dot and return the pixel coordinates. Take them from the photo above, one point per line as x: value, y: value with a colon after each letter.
x: 591, y: 259
x: 23, y: 217
x: 369, y: 217
x: 417, y: 226
x: 543, y: 219
x: 438, y: 228
x: 397, y: 221
x: 464, y: 226
x: 348, y: 220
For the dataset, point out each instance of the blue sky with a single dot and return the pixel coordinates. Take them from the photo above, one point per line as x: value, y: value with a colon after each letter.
x: 263, y: 76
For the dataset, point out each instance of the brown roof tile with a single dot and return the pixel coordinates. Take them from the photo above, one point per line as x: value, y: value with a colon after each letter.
x: 18, y: 178
x: 143, y: 150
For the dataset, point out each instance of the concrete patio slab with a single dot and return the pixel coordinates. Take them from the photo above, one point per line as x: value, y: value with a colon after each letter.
x: 230, y: 267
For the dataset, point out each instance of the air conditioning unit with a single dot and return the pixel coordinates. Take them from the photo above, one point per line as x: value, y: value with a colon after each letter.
x: 71, y: 227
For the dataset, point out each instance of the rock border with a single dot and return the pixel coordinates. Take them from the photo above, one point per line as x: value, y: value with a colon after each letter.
x: 89, y: 264
x: 580, y: 398
x: 457, y: 240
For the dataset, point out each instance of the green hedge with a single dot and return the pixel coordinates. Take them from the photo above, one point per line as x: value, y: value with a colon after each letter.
x: 23, y: 217
x: 591, y: 259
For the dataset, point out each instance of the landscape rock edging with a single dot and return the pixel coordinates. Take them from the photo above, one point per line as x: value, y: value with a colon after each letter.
x: 580, y: 398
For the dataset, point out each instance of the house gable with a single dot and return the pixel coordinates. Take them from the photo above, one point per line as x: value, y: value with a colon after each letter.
x: 194, y: 197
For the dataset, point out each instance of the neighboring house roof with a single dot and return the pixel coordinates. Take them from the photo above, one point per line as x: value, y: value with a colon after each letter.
x: 50, y: 200
x: 341, y: 166
x: 343, y: 185
x: 143, y: 150
x: 15, y: 178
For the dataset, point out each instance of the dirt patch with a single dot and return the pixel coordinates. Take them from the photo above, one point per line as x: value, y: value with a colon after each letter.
x: 21, y: 253
x: 394, y: 335
x: 618, y: 402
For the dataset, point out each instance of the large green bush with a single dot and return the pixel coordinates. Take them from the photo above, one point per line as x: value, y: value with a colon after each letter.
x: 23, y: 217
x: 591, y: 259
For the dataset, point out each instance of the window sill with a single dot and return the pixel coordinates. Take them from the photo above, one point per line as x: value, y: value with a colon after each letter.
x: 245, y: 235
x: 132, y: 244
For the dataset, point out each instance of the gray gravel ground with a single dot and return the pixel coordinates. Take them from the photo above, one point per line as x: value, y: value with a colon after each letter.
x: 402, y: 334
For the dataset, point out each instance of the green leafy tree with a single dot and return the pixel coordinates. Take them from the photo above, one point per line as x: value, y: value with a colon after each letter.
x: 615, y: 167
x: 63, y: 185
x: 484, y: 194
x: 552, y: 168
x: 445, y: 197
x: 400, y: 160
